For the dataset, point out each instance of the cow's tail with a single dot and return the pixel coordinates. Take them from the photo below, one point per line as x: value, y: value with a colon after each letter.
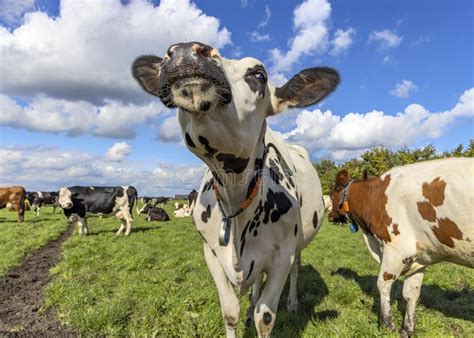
x: 136, y: 201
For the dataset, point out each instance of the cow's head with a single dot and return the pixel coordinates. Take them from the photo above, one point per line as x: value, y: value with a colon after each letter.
x: 65, y: 198
x: 223, y: 103
x: 337, y: 214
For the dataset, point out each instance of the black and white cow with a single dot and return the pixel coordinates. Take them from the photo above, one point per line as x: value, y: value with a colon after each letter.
x: 39, y: 198
x: 260, y: 203
x: 161, y: 200
x: 81, y: 202
x: 154, y: 213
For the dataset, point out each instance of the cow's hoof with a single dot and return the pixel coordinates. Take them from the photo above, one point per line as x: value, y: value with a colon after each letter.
x: 406, y: 332
x: 292, y: 306
x: 387, y: 322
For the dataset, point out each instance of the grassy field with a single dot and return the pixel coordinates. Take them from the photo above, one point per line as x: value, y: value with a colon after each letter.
x: 156, y: 283
x: 19, y: 239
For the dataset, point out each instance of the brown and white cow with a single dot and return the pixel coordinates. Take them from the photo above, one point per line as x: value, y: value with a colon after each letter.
x: 411, y: 217
x: 261, y: 202
x: 13, y: 198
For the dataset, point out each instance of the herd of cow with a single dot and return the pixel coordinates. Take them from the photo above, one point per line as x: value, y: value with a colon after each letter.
x: 78, y: 203
x: 260, y: 202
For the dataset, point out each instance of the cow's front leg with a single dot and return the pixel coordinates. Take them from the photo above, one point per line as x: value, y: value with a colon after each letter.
x: 292, y: 302
x: 38, y: 211
x: 254, y: 298
x: 230, y: 306
x: 82, y: 225
x: 390, y: 270
x: 411, y: 294
x: 267, y: 305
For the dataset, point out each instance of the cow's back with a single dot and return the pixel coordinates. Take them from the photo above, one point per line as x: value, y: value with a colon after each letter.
x: 431, y: 204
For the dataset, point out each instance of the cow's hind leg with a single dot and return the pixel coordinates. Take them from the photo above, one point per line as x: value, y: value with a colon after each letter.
x: 292, y: 302
x: 230, y: 306
x: 121, y: 218
x: 254, y: 298
x: 82, y: 225
x: 411, y: 294
x: 267, y: 305
x: 390, y: 270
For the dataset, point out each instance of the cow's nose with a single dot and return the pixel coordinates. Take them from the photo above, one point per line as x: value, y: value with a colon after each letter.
x: 196, y: 49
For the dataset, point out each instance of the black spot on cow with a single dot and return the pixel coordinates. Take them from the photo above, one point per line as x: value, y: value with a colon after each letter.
x: 256, y: 78
x: 207, y: 186
x: 258, y: 165
x: 301, y: 200
x: 250, y: 270
x: 217, y: 178
x: 210, y: 151
x: 206, y: 214
x: 214, y: 253
x: 189, y: 141
x: 275, y: 172
x: 242, y: 245
x: 267, y: 318
x: 233, y: 164
x: 252, y: 225
x: 288, y: 186
x: 255, y: 233
x: 290, y: 180
x: 203, y: 238
x: 296, y: 229
x: 315, y: 219
x: 245, y: 230
x: 276, y: 205
x: 258, y: 223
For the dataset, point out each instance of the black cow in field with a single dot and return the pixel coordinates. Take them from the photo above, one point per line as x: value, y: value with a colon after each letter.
x: 161, y: 200
x: 39, y: 198
x: 155, y: 213
x: 81, y: 202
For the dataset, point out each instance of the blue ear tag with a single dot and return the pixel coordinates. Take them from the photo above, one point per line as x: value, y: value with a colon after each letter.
x: 353, y: 227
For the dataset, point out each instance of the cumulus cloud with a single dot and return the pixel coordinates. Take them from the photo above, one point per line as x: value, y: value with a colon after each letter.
x: 385, y: 39
x: 118, y: 152
x: 342, y: 40
x: 266, y: 20
x: 11, y: 11
x: 111, y: 119
x: 85, y: 53
x: 169, y: 130
x: 257, y: 37
x: 347, y: 136
x: 48, y: 168
x: 404, y: 88
x: 310, y: 22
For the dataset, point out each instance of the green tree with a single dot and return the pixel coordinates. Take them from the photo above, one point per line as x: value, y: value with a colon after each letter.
x: 327, y: 171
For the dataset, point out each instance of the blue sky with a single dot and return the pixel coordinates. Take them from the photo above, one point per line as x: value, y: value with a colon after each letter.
x: 71, y: 114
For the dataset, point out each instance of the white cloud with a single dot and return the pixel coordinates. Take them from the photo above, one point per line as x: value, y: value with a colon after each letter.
x: 385, y: 39
x: 48, y: 168
x: 404, y: 88
x: 118, y: 152
x: 266, y: 20
x: 310, y: 21
x: 11, y: 11
x: 342, y: 40
x: 354, y: 133
x: 169, y: 130
x: 85, y: 53
x: 111, y: 119
x: 257, y: 37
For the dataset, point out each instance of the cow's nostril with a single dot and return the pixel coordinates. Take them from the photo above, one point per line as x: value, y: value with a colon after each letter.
x: 203, y: 51
x: 185, y: 93
x: 205, y: 105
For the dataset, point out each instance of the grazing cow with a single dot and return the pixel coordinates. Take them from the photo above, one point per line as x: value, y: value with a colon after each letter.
x: 154, y: 213
x: 184, y: 211
x: 13, y: 198
x: 411, y: 217
x: 81, y: 202
x: 39, y: 198
x: 161, y: 200
x: 261, y: 202
x: 147, y: 200
x: 192, y: 197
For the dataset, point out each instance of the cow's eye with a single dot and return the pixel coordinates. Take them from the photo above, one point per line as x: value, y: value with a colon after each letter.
x: 260, y: 76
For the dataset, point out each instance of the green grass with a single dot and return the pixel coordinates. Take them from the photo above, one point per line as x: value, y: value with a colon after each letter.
x: 156, y: 283
x: 20, y: 239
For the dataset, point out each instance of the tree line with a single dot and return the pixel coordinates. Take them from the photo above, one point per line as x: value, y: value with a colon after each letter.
x: 381, y: 159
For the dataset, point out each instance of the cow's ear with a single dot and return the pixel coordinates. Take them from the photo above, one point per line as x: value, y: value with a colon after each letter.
x: 304, y: 89
x: 342, y: 178
x: 146, y: 70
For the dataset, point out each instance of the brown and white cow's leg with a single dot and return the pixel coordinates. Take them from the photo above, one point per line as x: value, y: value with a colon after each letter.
x: 411, y: 294
x: 254, y: 298
x: 230, y: 306
x: 267, y: 305
x: 390, y: 270
x: 292, y: 302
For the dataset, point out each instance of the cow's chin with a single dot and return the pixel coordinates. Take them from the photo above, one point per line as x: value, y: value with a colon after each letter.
x: 196, y: 95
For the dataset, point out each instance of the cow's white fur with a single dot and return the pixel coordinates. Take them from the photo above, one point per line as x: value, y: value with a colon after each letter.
x: 416, y: 247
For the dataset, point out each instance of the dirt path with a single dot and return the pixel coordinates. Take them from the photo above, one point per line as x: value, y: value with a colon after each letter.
x: 22, y: 295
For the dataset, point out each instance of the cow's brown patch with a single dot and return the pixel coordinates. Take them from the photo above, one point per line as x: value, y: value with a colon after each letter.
x: 367, y: 201
x: 426, y: 211
x: 395, y: 229
x: 434, y: 191
x: 388, y: 276
x: 446, y: 231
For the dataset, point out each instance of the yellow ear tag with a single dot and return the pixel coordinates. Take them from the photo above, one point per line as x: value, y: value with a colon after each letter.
x: 345, y: 206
